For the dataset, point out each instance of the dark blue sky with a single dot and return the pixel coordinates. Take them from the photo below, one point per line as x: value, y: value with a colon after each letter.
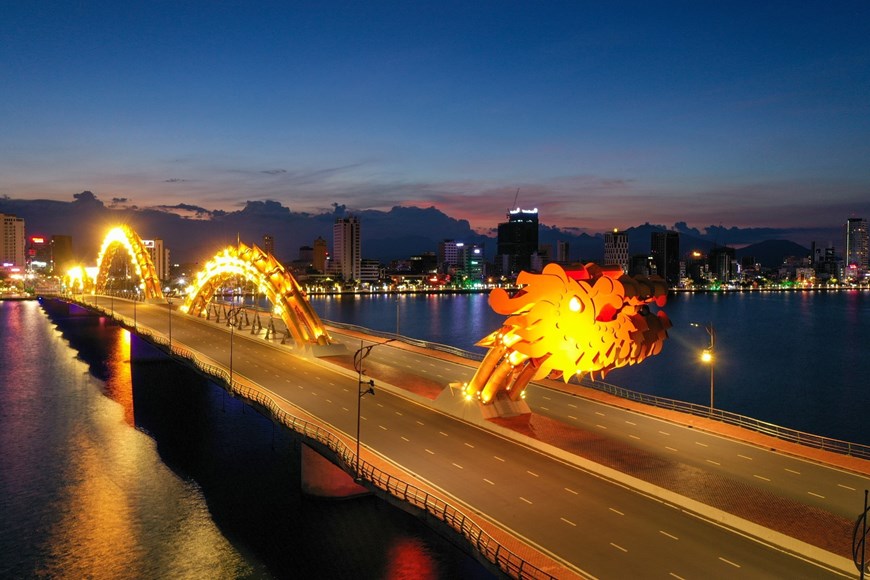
x: 602, y: 114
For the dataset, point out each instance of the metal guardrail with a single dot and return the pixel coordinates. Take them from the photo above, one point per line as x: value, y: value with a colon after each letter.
x: 784, y: 433
x: 507, y: 561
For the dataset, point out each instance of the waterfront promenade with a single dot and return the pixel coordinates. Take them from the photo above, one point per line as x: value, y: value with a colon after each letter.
x: 583, y: 450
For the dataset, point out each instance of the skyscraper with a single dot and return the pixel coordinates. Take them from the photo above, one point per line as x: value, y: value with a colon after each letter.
x: 12, y: 240
x: 318, y: 260
x: 855, y: 244
x: 665, y: 252
x: 517, y: 240
x: 346, y: 247
x: 269, y: 244
x: 616, y: 249
x: 563, y: 252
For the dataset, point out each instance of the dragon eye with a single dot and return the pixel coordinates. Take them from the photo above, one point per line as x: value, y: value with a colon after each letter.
x: 574, y: 304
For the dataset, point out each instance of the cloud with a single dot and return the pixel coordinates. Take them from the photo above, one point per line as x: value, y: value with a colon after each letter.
x: 174, y: 180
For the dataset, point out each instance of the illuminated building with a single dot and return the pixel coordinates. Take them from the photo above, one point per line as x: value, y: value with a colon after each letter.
x: 159, y: 257
x: 517, y: 241
x: 448, y: 255
x: 346, y: 255
x: 12, y: 241
x: 855, y: 244
x: 665, y: 251
x: 38, y: 254
x: 616, y: 249
x: 269, y: 244
x: 723, y: 263
x: 318, y: 258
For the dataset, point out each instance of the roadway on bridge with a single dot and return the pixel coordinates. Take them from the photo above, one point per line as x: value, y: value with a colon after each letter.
x: 598, y: 527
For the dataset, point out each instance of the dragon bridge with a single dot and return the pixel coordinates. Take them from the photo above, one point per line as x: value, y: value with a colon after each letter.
x: 124, y: 237
x: 278, y: 285
x: 592, y: 320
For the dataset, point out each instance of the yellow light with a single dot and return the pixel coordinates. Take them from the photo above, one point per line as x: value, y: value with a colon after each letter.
x: 706, y: 356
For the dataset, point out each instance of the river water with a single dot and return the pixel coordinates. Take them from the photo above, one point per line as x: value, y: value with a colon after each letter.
x: 146, y: 470
x: 796, y: 359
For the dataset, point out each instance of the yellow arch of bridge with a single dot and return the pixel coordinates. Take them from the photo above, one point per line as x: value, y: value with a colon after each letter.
x: 278, y: 285
x: 124, y: 237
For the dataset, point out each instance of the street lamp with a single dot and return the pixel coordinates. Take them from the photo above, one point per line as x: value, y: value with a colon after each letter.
x: 169, y: 308
x: 358, y: 358
x: 707, y: 354
x: 231, y: 321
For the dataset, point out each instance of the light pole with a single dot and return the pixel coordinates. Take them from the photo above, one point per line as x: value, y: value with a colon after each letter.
x: 358, y: 358
x: 707, y: 354
x: 135, y: 300
x: 231, y: 320
x: 169, y: 308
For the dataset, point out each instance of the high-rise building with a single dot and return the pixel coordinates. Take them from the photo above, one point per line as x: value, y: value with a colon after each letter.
x: 723, y: 263
x: 563, y: 252
x: 12, y: 241
x: 159, y: 257
x: 448, y: 254
x: 62, y: 258
x: 269, y: 244
x: 855, y: 254
x: 665, y: 252
x: 616, y: 249
x: 346, y: 253
x: 517, y: 240
x: 318, y: 259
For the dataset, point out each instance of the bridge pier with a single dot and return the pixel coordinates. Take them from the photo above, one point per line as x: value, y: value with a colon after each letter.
x: 322, y: 478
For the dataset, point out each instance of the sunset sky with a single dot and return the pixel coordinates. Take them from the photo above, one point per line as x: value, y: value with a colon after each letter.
x: 601, y: 114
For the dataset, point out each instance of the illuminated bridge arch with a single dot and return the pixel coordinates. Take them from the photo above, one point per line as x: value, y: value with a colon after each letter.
x: 278, y: 285
x: 124, y: 237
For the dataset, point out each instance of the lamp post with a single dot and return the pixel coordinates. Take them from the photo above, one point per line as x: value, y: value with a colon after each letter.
x: 358, y: 358
x: 707, y: 354
x: 135, y: 300
x: 231, y: 321
x: 169, y: 308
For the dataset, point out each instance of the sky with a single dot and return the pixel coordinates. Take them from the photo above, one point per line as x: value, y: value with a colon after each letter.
x: 600, y: 114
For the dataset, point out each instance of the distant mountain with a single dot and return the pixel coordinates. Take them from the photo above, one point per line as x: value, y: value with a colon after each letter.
x: 772, y: 253
x: 195, y: 234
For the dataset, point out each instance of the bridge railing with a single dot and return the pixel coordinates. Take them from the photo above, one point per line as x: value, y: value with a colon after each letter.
x: 784, y: 433
x: 490, y: 548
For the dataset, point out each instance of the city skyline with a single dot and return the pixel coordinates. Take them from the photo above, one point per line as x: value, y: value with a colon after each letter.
x: 749, y: 116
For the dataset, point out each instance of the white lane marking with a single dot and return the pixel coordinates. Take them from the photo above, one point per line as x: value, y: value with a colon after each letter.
x: 382, y: 427
x: 635, y: 437
x: 744, y: 457
x: 488, y: 481
x: 701, y: 444
x: 792, y: 471
x: 469, y: 445
x: 545, y: 408
x: 286, y: 380
x: 670, y: 448
x: 547, y: 399
x: 381, y: 405
x: 601, y: 426
x: 676, y: 576
x: 457, y: 465
x: 816, y: 495
x: 762, y: 477
x: 525, y: 500
x: 730, y: 562
x: 328, y: 401
x: 630, y: 423
x: 599, y: 413
x: 405, y: 439
x: 331, y: 384
x: 499, y: 458
x: 430, y: 452
x: 616, y: 511
x: 314, y: 393
x: 277, y: 376
x: 532, y: 473
x: 443, y: 433
x: 363, y: 418
x: 569, y: 490
x: 399, y: 413
x: 671, y: 536
x: 572, y: 417
x: 845, y: 487
x: 713, y: 462
x: 618, y: 547
x: 344, y: 409
x: 568, y: 522
x: 300, y: 387
x: 665, y: 433
x: 419, y: 422
x: 573, y: 406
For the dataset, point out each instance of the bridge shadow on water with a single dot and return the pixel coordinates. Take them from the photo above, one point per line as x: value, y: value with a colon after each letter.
x: 248, y: 470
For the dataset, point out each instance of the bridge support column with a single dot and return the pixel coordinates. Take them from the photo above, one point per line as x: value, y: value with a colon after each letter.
x: 322, y: 478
